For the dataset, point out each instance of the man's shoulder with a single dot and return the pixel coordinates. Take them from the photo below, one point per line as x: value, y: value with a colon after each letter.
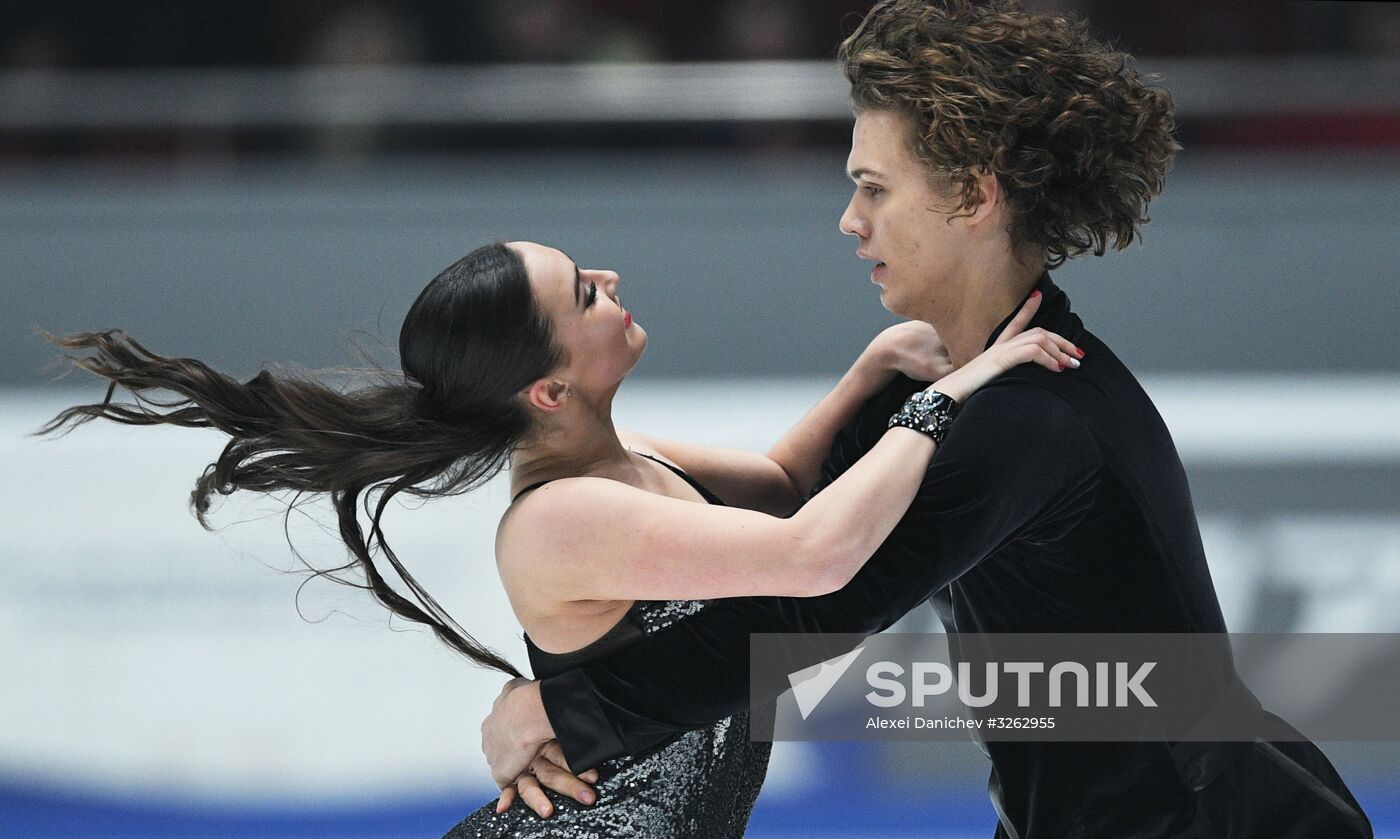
x: 1023, y: 392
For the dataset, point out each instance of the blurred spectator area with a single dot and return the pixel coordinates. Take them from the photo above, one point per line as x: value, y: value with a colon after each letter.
x: 170, y: 33
x: 160, y: 78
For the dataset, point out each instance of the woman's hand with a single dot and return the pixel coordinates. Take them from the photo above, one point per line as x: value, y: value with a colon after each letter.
x: 912, y: 348
x: 1011, y: 348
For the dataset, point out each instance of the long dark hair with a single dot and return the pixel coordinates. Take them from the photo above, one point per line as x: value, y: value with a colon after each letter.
x: 470, y: 343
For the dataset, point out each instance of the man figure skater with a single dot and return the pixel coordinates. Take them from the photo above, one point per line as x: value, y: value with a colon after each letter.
x: 990, y: 146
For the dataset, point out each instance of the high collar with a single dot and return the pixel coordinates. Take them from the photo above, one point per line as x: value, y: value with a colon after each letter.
x: 1053, y: 315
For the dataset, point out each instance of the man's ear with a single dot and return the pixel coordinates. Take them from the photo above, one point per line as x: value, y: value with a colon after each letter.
x: 548, y: 394
x: 990, y: 196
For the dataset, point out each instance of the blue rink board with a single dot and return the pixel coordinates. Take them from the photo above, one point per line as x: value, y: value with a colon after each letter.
x: 858, y: 802
x: 51, y: 813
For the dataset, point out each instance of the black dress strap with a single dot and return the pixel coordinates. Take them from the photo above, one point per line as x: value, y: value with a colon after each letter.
x: 709, y: 497
x: 535, y: 485
x: 704, y: 493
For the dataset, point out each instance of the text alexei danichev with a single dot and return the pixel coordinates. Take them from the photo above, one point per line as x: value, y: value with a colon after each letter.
x: 922, y: 722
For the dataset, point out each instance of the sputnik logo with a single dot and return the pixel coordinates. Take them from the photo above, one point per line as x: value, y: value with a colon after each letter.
x: 810, y: 685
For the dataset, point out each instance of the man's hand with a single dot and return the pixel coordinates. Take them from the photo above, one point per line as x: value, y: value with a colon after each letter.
x: 515, y: 731
x: 548, y: 769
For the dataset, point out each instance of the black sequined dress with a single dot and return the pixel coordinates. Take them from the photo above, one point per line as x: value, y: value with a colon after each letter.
x: 698, y: 784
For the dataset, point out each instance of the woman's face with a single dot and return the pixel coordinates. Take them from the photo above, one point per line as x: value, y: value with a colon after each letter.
x: 600, y: 340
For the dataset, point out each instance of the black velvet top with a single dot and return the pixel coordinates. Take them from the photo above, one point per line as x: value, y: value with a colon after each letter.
x: 1057, y: 503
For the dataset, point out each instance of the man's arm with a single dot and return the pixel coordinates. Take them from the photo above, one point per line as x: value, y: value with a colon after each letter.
x: 1013, y: 453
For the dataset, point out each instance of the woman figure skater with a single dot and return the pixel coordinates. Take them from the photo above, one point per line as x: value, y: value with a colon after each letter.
x: 511, y: 357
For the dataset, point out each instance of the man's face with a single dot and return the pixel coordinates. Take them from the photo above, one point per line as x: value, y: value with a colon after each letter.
x: 898, y: 216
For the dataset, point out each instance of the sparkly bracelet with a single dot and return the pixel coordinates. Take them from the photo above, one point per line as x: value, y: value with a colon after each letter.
x: 928, y: 411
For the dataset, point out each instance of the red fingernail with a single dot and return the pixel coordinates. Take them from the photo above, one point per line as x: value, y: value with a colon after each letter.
x: 1062, y: 368
x: 1079, y: 352
x: 1035, y: 293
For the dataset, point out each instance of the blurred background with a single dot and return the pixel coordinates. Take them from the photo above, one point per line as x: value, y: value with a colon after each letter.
x: 271, y: 183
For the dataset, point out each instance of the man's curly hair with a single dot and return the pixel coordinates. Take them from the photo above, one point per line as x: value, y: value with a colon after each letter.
x: 1078, y: 143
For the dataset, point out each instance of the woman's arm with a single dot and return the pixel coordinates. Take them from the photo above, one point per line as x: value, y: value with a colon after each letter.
x: 779, y: 481
x: 912, y: 348
x: 776, y: 482
x: 598, y: 539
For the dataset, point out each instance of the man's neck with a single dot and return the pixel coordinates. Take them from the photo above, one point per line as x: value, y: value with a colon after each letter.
x: 966, y: 315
